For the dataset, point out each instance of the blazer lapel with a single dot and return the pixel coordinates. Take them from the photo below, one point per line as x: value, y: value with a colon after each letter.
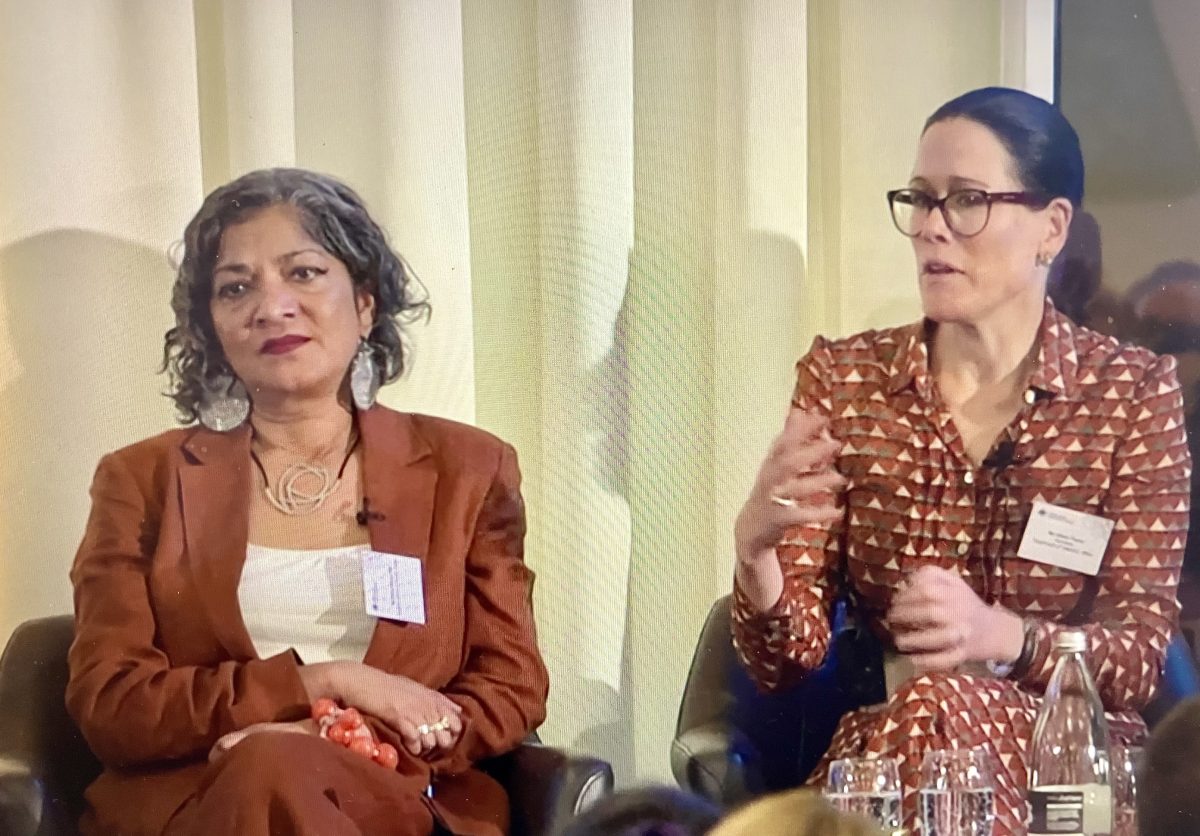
x: 214, y: 482
x: 399, y: 492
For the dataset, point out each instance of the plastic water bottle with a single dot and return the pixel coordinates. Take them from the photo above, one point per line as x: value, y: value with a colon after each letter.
x: 1069, y: 781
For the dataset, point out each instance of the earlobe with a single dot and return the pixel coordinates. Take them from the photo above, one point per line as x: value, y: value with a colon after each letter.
x: 1061, y: 212
x: 365, y: 303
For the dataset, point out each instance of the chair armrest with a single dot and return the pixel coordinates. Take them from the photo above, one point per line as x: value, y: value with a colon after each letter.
x: 26, y: 808
x: 21, y: 799
x: 547, y: 787
x: 1180, y: 680
x: 718, y: 762
x: 44, y: 762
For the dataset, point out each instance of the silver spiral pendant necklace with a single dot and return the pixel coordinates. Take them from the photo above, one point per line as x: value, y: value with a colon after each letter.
x: 303, y: 487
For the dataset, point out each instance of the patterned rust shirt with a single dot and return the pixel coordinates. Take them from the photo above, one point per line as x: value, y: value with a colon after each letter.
x: 1101, y: 431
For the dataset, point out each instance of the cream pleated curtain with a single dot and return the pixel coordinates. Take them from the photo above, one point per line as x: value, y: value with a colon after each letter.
x: 632, y: 217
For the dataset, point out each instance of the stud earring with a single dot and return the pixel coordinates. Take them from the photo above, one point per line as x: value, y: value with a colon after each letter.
x: 1043, y: 260
x: 224, y: 405
x: 364, y: 376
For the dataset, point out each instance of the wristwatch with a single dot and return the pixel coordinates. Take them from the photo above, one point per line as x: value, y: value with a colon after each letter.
x: 1000, y: 670
x: 1005, y: 670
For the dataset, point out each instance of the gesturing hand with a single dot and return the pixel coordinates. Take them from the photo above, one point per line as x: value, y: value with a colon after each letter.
x: 941, y: 623
x: 796, y: 485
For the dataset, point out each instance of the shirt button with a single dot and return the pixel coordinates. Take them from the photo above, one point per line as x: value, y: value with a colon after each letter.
x: 963, y: 548
x: 969, y: 477
x: 1030, y: 396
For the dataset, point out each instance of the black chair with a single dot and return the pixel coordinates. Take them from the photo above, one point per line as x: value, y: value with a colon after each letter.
x: 45, y: 764
x: 733, y: 742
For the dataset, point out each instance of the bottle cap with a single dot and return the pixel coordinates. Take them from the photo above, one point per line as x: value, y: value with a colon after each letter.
x: 1070, y: 641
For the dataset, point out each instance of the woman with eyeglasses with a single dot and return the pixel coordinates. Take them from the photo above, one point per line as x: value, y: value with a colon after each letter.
x: 930, y: 473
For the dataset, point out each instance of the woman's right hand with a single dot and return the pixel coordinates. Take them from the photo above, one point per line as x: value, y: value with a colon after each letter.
x: 796, y: 485
x: 226, y: 742
x: 398, y: 701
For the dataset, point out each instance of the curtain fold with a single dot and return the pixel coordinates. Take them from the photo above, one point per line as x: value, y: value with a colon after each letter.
x: 99, y: 159
x: 245, y: 80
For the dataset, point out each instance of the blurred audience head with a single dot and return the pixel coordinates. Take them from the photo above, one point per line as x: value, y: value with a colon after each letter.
x: 1166, y: 304
x: 1168, y: 797
x: 648, y: 811
x: 800, y: 812
x: 1076, y: 274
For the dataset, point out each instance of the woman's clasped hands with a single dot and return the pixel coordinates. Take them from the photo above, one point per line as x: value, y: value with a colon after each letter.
x: 428, y: 722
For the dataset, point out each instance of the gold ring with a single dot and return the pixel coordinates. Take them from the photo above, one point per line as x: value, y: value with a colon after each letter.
x: 784, y: 501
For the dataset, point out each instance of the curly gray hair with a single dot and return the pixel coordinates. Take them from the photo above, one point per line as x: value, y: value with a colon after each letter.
x: 336, y: 218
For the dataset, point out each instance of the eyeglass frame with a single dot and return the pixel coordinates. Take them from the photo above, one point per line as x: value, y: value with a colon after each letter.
x: 1038, y: 200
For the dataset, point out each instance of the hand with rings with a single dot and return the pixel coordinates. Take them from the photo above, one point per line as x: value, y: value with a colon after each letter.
x: 441, y: 725
x: 434, y: 738
x: 796, y: 485
x: 428, y: 721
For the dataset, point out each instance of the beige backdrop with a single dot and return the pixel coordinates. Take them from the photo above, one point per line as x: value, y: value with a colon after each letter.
x: 632, y: 218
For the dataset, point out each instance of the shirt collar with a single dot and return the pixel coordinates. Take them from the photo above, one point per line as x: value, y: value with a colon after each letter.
x: 1057, y: 366
x: 910, y: 362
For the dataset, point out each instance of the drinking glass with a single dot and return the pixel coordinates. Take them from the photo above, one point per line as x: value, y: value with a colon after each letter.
x: 957, y: 793
x: 1126, y: 760
x: 868, y: 787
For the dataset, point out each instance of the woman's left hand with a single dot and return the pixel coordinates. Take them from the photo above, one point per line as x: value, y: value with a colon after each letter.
x: 428, y: 721
x: 228, y: 741
x: 940, y: 623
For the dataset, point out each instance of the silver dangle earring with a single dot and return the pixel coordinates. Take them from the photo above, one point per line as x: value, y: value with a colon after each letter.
x: 225, y: 404
x: 364, y: 377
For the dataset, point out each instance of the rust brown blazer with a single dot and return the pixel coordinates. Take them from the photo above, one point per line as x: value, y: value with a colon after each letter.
x: 162, y: 664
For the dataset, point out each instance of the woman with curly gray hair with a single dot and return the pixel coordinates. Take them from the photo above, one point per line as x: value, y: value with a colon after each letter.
x: 308, y: 613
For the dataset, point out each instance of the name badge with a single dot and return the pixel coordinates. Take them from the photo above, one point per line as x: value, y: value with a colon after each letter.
x: 393, y: 587
x: 1065, y: 538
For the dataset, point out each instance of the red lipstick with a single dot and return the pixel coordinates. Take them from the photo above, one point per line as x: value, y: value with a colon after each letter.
x: 282, y: 345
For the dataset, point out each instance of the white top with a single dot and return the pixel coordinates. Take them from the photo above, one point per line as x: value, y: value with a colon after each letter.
x: 307, y: 599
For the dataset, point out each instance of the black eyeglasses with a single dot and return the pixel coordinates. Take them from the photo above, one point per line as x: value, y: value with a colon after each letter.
x: 966, y: 210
